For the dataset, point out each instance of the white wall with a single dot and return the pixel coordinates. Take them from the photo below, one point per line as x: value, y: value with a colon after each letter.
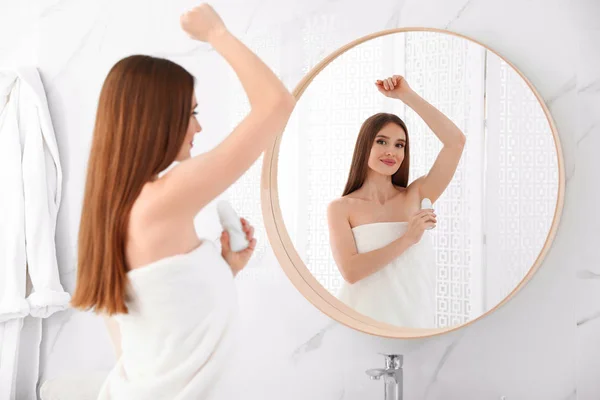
x: 544, y: 344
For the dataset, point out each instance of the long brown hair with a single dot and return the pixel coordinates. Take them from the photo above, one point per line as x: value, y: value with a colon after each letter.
x: 141, y: 124
x: 362, y: 149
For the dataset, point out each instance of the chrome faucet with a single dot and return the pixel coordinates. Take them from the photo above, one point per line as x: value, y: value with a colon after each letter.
x: 392, y: 376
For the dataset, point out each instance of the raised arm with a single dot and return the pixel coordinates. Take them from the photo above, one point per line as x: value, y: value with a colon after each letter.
x: 192, y: 184
x: 355, y: 266
x: 440, y: 175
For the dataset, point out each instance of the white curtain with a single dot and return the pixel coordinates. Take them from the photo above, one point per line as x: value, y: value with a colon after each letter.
x: 521, y: 180
x: 448, y: 72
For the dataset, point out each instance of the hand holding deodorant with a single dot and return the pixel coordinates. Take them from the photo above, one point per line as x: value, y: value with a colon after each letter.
x: 425, y: 204
x: 232, y: 224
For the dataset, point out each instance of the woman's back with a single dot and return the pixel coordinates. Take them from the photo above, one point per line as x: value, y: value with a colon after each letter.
x: 151, y: 237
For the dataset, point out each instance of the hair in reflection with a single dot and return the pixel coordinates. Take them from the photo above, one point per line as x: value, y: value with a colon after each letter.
x: 141, y: 123
x: 366, y: 137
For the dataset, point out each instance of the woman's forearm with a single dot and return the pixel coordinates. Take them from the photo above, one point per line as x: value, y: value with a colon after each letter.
x: 361, y: 265
x: 448, y: 133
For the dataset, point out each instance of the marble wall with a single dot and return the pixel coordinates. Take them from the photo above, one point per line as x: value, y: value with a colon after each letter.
x: 544, y: 344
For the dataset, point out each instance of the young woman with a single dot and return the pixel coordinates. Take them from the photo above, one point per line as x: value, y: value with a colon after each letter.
x: 377, y: 227
x: 140, y: 261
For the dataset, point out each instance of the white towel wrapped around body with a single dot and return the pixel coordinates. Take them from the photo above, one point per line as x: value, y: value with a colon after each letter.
x: 179, y: 331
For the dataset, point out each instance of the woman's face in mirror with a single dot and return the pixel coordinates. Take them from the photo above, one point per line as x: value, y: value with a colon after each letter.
x: 387, y: 152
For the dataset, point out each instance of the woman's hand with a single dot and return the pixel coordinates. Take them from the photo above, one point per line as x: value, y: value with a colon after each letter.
x: 417, y: 224
x: 394, y: 87
x: 238, y: 260
x: 202, y: 23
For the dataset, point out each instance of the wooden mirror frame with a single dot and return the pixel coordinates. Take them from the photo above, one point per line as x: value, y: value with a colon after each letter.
x: 300, y: 275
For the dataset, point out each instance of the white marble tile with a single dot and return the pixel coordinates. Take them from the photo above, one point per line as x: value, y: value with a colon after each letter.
x: 588, y: 139
x: 588, y: 359
x: 527, y: 349
x: 18, y: 34
x: 588, y: 272
x: 584, y: 13
x: 74, y: 341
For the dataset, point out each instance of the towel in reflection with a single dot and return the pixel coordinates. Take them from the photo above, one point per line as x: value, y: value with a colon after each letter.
x: 403, y: 292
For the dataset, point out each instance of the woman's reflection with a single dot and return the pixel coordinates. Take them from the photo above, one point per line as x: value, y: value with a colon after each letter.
x: 377, y: 228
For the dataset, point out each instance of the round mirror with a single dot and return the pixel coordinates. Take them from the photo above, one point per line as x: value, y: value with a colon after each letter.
x: 380, y: 126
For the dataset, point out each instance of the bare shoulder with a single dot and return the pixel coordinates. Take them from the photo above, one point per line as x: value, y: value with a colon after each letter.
x: 347, y: 201
x: 153, y: 233
x: 149, y: 211
x: 413, y: 196
x: 150, y: 208
x: 353, y: 198
x: 415, y: 186
x: 339, y: 207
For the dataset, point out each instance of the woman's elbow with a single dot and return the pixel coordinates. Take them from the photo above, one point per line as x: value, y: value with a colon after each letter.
x: 287, y: 102
x: 349, y: 277
x: 457, y: 143
x: 282, y: 106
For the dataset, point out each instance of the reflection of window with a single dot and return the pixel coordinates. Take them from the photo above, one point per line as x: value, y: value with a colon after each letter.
x: 521, y: 179
x: 448, y: 72
x: 497, y: 212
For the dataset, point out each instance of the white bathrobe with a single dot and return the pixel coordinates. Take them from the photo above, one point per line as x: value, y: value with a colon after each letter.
x: 30, y: 194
